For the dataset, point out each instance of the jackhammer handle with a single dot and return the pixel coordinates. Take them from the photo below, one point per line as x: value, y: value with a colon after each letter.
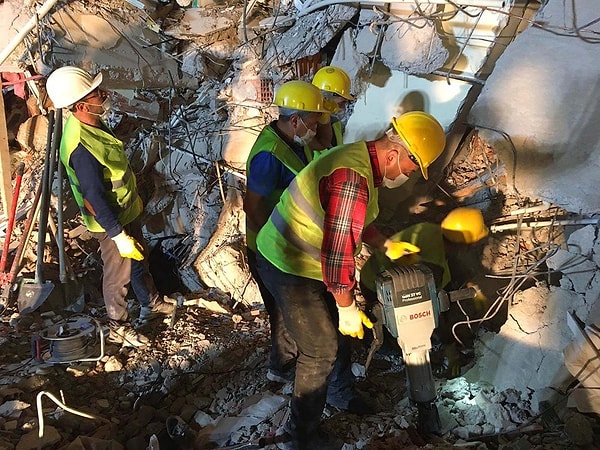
x: 462, y: 294
x: 446, y: 298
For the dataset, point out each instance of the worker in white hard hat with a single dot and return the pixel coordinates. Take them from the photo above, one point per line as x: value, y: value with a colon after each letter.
x: 335, y: 85
x: 104, y: 187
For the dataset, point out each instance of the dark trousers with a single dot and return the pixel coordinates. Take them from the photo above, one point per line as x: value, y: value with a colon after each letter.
x: 282, y: 356
x: 311, y: 319
x: 118, y: 272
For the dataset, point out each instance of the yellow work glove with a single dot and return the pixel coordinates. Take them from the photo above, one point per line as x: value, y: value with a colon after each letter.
x: 331, y: 106
x: 480, y: 301
x: 352, y: 320
x: 128, y: 246
x: 398, y: 249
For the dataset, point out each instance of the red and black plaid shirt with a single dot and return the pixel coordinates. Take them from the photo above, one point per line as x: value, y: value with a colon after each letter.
x: 344, y: 196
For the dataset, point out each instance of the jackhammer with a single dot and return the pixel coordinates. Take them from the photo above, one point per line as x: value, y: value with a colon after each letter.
x: 409, y: 306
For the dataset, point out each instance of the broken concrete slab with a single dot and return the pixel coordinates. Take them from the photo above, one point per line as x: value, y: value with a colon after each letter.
x: 308, y: 35
x: 527, y: 352
x: 546, y: 110
x: 413, y: 49
x: 575, y: 267
x: 121, y: 40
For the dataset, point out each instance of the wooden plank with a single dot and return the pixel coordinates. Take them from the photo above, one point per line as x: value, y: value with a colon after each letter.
x: 5, y: 168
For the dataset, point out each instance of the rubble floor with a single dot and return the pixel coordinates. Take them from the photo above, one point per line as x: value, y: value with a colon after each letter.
x: 212, y: 362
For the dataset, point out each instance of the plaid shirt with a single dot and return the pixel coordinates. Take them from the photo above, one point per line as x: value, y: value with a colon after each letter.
x: 344, y: 196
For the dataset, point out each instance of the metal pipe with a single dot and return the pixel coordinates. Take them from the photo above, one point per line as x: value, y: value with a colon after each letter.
x: 545, y: 223
x: 31, y: 23
x: 59, y: 403
x: 544, y: 206
x: 480, y: 3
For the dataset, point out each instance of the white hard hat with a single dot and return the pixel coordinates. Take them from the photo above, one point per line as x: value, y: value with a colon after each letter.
x: 69, y: 84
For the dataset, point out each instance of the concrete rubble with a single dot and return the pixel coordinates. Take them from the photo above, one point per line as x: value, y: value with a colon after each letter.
x: 193, y: 84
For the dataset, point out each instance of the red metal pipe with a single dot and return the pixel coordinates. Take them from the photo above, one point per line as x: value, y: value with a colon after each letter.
x: 11, y: 217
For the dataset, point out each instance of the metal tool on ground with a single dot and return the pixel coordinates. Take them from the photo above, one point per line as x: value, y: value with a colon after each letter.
x: 60, y: 235
x: 10, y: 225
x: 73, y: 292
x: 410, y: 306
x: 32, y: 293
x: 7, y: 281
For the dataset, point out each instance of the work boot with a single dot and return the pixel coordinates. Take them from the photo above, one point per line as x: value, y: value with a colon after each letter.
x: 286, y: 440
x: 353, y: 404
x: 280, y: 377
x: 122, y: 333
x: 160, y: 309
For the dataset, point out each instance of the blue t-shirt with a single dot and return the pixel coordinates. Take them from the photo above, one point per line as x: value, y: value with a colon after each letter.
x: 268, y: 174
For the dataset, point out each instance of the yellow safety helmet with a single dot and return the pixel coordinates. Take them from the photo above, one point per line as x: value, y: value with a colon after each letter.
x: 333, y: 79
x: 464, y: 226
x: 423, y: 136
x: 69, y: 84
x: 301, y: 96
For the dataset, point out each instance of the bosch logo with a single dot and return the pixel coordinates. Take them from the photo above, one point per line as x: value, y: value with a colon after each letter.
x: 420, y: 315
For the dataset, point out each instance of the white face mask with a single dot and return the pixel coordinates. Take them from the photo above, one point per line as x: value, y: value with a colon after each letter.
x: 307, y: 137
x: 106, y: 108
x: 395, y: 182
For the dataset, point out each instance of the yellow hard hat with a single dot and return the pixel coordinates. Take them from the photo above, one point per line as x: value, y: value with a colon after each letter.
x: 333, y: 79
x: 301, y: 96
x: 69, y: 84
x: 423, y: 136
x: 464, y: 226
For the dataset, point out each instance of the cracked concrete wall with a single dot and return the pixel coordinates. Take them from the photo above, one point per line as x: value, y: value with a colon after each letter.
x: 542, y: 94
x: 119, y: 39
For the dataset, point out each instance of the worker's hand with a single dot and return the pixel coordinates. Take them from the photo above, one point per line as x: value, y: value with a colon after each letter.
x: 331, y: 106
x: 480, y: 301
x: 398, y: 249
x: 128, y: 246
x: 352, y: 320
x: 324, y: 119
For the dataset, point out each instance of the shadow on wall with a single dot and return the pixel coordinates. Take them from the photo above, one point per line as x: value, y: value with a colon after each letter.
x: 412, y: 101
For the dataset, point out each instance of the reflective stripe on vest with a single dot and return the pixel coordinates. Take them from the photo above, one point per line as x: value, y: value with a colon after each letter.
x: 269, y: 141
x: 120, y: 182
x: 292, y: 238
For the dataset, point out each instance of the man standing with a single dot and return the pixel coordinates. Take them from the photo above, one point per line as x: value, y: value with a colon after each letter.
x: 279, y: 153
x: 307, y: 248
x: 335, y: 86
x: 105, y: 189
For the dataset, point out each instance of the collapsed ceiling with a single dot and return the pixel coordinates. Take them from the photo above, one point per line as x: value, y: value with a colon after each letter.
x: 510, y: 81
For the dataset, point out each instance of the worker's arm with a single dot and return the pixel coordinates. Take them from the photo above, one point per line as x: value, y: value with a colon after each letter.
x: 266, y: 174
x: 256, y: 209
x: 373, y: 237
x: 91, y: 182
x: 324, y: 137
x: 344, y: 197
